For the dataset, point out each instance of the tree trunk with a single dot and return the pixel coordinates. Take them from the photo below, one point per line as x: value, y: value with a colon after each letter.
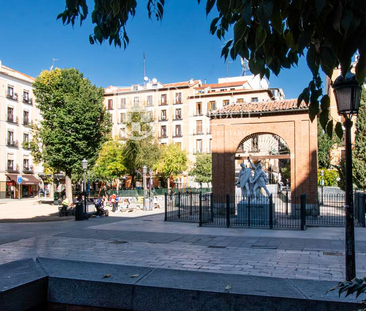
x: 51, y: 189
x: 68, y: 188
x: 168, y: 183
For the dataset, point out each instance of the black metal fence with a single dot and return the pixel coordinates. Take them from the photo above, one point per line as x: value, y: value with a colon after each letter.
x: 279, y: 211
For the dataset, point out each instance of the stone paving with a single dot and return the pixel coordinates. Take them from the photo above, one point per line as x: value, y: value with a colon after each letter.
x: 316, y: 253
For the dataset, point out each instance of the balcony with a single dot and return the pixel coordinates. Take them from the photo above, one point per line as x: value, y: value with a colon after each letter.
x: 198, y: 114
x: 178, y: 102
x: 11, y: 119
x: 12, y: 168
x: 27, y: 122
x: 12, y: 143
x: 163, y: 103
x: 164, y: 135
x: 177, y: 135
x: 28, y: 168
x: 198, y: 132
x: 110, y: 107
x: 163, y: 119
x: 13, y: 96
x: 28, y: 101
x: 197, y: 151
x: 177, y: 118
x: 26, y: 145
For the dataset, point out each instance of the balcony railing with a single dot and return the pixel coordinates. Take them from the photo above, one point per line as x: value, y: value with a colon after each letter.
x: 178, y: 102
x: 177, y: 135
x: 198, y: 132
x: 110, y: 107
x: 164, y: 135
x: 177, y: 118
x: 12, y: 143
x: 27, y: 122
x: 10, y: 118
x: 28, y: 168
x: 162, y: 119
x: 164, y: 103
x: 198, y: 113
x: 28, y: 101
x: 13, y: 96
x: 12, y: 168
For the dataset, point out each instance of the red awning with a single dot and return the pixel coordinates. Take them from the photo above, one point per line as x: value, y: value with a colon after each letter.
x: 27, y: 179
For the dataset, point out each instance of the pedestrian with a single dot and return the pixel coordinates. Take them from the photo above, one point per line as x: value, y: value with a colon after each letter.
x: 113, y: 201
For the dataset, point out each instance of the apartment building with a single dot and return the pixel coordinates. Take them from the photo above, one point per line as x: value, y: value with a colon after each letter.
x: 179, y: 111
x: 17, y: 113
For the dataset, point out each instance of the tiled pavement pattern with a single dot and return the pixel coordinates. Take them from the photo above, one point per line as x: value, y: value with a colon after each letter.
x: 152, y: 243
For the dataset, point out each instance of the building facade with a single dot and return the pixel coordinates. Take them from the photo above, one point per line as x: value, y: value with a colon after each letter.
x: 17, y: 114
x: 180, y: 111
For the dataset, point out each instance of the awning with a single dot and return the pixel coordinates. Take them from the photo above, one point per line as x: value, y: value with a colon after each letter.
x: 27, y: 179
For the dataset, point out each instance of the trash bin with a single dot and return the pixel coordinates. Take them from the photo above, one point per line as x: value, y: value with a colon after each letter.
x: 79, y: 213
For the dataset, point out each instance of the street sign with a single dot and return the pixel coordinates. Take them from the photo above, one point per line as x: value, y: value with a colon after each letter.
x: 19, y: 179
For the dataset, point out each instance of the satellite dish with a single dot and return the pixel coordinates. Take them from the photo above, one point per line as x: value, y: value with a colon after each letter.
x: 146, y: 79
x: 154, y: 80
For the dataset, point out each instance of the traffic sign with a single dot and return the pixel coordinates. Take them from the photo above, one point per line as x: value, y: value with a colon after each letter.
x: 19, y: 179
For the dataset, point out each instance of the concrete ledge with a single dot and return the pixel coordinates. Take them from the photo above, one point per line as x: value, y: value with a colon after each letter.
x: 28, y: 284
x: 23, y: 285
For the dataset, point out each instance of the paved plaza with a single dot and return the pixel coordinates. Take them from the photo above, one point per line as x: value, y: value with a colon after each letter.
x: 144, y: 239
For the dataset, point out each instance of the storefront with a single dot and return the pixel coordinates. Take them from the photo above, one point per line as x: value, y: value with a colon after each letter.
x: 28, y: 188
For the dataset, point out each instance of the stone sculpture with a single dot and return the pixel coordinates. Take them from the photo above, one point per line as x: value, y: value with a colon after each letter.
x: 245, y: 176
x: 260, y: 178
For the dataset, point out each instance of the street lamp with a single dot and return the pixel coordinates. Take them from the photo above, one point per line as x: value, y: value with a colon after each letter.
x: 84, y: 164
x: 347, y: 92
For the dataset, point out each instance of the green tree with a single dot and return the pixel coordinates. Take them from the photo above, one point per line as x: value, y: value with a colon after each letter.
x: 173, y: 161
x: 74, y: 122
x: 271, y: 35
x: 325, y: 144
x: 359, y: 152
x: 202, y: 170
x: 110, y: 162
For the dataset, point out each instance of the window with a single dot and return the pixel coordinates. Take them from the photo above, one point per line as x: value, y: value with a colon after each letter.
x: 178, y: 131
x: 10, y: 114
x: 26, y: 96
x: 10, y: 91
x: 10, y: 164
x: 149, y: 100
x: 163, y: 115
x: 26, y: 137
x: 122, y: 117
x: 226, y: 102
x: 178, y: 98
x: 123, y: 103
x: 179, y: 144
x: 25, y: 117
x: 198, y: 108
x: 178, y: 113
x: 163, y: 99
x: 199, y: 127
x: 26, y: 164
x: 198, y: 145
x: 136, y: 101
x: 135, y: 88
x: 255, y: 143
x: 110, y: 104
x: 211, y: 106
x: 240, y: 100
x: 254, y: 99
x: 10, y: 136
x: 163, y: 131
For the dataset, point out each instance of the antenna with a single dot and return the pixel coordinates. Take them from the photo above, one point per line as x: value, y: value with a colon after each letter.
x: 53, y: 63
x: 244, y: 65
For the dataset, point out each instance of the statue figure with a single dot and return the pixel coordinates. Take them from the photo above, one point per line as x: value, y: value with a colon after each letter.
x: 244, y: 178
x: 260, y: 178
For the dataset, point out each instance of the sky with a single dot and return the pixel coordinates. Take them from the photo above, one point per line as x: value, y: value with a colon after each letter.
x: 177, y: 49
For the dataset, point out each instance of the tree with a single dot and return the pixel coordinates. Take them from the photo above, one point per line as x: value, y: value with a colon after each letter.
x: 271, y: 35
x: 359, y: 152
x: 110, y: 162
x: 325, y: 144
x: 74, y: 122
x: 173, y: 161
x: 202, y: 170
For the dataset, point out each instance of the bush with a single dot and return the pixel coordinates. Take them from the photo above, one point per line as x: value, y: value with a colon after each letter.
x: 330, y: 177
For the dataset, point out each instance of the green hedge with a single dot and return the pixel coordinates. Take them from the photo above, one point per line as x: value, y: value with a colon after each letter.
x: 330, y: 177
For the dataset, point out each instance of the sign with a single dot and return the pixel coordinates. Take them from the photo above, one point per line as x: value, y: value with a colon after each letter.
x: 19, y: 179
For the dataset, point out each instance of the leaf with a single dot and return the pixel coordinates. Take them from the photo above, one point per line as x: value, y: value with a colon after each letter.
x: 347, y: 20
x: 361, y: 64
x: 324, y: 118
x: 134, y: 276
x: 106, y: 276
x: 213, y: 26
x: 304, y: 39
x: 330, y: 128
x: 265, y: 12
x: 260, y: 36
x: 339, y: 130
x: 310, y: 59
x: 313, y: 110
x: 325, y: 102
x: 209, y: 6
x: 277, y: 21
x: 319, y: 5
x: 337, y: 15
x: 328, y: 60
x: 247, y: 12
x: 115, y: 7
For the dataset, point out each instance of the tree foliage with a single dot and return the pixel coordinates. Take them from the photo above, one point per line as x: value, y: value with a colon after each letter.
x: 330, y: 177
x: 359, y: 152
x: 325, y: 144
x: 74, y: 122
x: 271, y: 35
x: 110, y: 162
x: 173, y: 161
x: 202, y: 170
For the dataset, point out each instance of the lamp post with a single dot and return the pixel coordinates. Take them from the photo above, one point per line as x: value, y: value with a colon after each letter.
x: 151, y: 179
x: 347, y: 92
x: 84, y: 164
x: 322, y: 185
x: 144, y: 172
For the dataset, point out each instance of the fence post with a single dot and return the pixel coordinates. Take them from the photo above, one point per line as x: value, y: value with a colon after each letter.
x: 270, y: 211
x: 166, y: 206
x: 228, y: 210
x: 200, y: 210
x: 303, y: 211
x: 362, y: 199
x: 191, y: 202
x: 287, y: 200
x: 178, y: 204
x: 212, y: 207
x: 248, y: 211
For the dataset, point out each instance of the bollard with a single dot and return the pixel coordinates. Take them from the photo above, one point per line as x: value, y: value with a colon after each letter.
x: 270, y: 212
x: 303, y: 211
x: 166, y: 206
x: 200, y: 210
x: 178, y: 204
x: 212, y: 207
x: 228, y: 210
x: 248, y: 212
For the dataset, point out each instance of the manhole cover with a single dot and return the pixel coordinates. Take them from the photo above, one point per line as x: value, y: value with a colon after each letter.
x: 332, y: 254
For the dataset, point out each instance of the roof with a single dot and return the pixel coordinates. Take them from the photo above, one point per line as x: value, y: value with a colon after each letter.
x: 184, y: 83
x: 220, y: 85
x: 262, y: 107
x: 16, y: 74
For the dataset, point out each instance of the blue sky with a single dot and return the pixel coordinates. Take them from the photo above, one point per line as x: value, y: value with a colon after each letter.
x: 177, y: 49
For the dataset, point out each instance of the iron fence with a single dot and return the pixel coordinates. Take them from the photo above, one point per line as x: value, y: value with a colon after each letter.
x: 278, y: 211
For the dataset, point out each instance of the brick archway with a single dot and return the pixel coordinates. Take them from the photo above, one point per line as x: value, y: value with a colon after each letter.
x: 285, y: 119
